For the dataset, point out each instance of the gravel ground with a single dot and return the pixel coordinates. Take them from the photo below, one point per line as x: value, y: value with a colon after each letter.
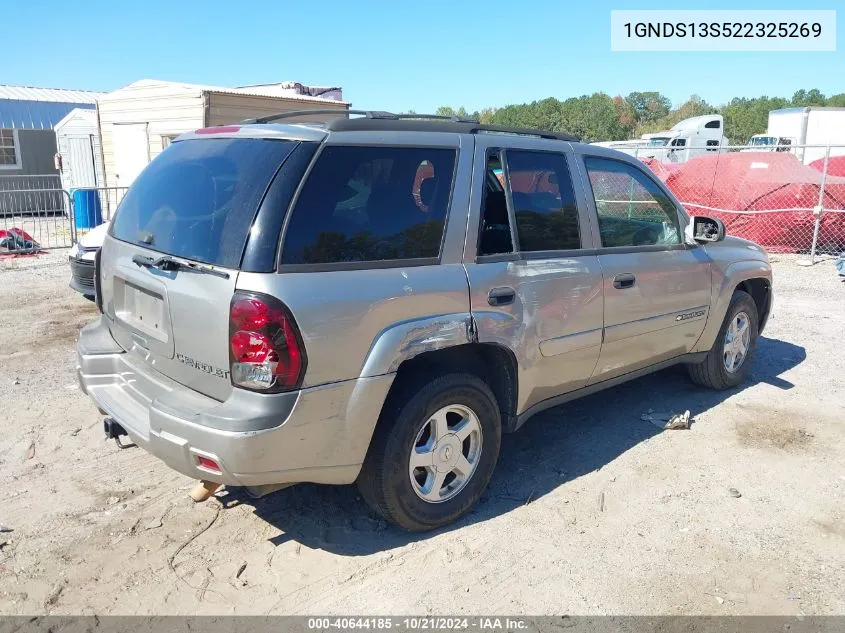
x: 591, y: 510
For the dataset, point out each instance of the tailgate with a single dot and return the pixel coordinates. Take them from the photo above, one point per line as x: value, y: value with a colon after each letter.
x: 171, y: 260
x: 176, y: 321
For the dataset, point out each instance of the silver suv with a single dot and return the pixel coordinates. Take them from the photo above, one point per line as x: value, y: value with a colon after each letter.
x: 376, y: 299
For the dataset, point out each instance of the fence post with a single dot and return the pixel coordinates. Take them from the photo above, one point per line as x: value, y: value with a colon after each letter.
x: 71, y: 216
x: 819, y: 210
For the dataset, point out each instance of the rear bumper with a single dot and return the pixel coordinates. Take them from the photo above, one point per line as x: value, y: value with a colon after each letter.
x: 318, y: 435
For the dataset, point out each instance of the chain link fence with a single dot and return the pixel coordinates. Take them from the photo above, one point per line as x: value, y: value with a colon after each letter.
x: 788, y: 199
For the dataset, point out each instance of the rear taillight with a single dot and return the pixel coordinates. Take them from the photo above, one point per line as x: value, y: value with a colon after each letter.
x: 265, y: 347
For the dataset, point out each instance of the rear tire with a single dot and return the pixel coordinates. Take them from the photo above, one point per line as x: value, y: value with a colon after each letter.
x: 726, y: 365
x: 433, y: 452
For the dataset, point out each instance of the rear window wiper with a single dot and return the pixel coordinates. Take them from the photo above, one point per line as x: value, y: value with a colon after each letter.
x: 168, y: 263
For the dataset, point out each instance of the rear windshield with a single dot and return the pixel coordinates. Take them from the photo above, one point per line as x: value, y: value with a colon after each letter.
x: 198, y: 198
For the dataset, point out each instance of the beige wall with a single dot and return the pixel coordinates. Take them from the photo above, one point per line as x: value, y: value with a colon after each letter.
x: 167, y: 109
x: 172, y: 109
x: 225, y: 109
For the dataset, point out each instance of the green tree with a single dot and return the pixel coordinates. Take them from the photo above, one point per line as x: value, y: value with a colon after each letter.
x: 592, y: 117
x: 836, y: 101
x: 648, y: 106
x: 486, y: 115
x: 803, y: 98
x: 626, y: 116
x: 694, y: 106
x: 449, y: 111
x: 746, y: 117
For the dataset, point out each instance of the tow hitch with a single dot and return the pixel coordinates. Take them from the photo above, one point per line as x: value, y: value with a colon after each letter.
x: 115, y: 431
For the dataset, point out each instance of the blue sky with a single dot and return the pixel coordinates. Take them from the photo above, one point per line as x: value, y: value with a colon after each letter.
x: 390, y: 55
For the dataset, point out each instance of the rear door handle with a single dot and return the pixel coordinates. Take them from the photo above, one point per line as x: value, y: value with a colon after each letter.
x: 625, y: 280
x: 501, y: 296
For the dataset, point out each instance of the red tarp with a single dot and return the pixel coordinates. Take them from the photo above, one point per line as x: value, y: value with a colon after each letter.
x: 835, y: 165
x: 15, y: 242
x: 767, y: 197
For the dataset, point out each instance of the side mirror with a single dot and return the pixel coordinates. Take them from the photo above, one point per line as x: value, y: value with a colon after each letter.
x: 704, y: 229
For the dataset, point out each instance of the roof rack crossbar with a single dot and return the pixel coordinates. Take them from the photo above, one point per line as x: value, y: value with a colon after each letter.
x: 503, y: 129
x: 367, y: 114
x: 405, y: 122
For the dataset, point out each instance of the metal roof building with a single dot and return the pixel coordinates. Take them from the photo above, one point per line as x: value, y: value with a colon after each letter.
x: 27, y: 141
x: 25, y: 108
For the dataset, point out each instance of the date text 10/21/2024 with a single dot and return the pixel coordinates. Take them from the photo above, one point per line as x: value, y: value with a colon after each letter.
x: 423, y: 623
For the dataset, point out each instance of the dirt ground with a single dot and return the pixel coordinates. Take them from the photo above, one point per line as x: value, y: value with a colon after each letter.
x: 591, y: 511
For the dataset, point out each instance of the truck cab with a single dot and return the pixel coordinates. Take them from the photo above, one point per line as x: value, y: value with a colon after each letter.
x: 686, y: 139
x: 768, y: 143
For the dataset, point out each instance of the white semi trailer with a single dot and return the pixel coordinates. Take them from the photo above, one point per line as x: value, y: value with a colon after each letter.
x: 810, y: 126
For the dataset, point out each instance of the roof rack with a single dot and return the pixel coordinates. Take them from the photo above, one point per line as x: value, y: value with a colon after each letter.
x: 367, y: 114
x: 388, y: 121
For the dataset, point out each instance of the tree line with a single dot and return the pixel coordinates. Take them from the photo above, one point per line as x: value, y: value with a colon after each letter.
x: 600, y: 117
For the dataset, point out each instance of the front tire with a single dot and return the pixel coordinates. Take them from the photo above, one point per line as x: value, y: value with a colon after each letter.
x: 729, y: 360
x: 433, y: 452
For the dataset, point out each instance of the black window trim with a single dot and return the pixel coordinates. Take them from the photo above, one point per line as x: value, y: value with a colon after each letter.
x: 378, y: 263
x: 601, y: 249
x: 518, y: 254
x: 252, y: 260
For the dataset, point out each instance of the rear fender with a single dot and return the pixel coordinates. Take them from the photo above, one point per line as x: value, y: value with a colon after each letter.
x: 402, y: 341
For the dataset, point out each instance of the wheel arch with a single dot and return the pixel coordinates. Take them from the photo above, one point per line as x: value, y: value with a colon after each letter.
x: 492, y: 363
x: 752, y: 276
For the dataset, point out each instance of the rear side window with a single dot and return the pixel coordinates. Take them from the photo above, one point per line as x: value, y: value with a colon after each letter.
x: 368, y: 204
x: 543, y: 201
x: 198, y: 198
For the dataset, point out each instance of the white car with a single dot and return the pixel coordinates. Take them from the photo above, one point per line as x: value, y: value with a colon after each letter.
x: 81, y: 259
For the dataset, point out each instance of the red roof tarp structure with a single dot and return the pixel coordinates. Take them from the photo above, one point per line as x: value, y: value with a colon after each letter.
x: 766, y: 197
x: 835, y: 165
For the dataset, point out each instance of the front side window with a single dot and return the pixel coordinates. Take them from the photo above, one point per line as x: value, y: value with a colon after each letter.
x: 8, y: 151
x: 367, y: 204
x: 543, y: 201
x: 632, y: 209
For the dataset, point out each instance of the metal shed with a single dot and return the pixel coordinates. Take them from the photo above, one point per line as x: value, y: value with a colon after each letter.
x: 138, y: 121
x: 28, y: 146
x: 27, y: 119
x: 78, y: 141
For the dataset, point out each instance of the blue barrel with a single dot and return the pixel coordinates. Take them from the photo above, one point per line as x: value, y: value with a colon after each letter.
x: 87, y: 212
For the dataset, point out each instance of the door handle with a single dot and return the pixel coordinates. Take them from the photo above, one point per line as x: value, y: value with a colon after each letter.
x: 625, y: 280
x: 501, y: 296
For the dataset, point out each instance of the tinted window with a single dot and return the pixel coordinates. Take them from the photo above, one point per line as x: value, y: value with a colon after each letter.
x: 198, y: 199
x: 495, y: 230
x: 543, y: 201
x: 712, y: 125
x: 712, y: 146
x: 363, y: 204
x: 679, y: 142
x: 632, y: 209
